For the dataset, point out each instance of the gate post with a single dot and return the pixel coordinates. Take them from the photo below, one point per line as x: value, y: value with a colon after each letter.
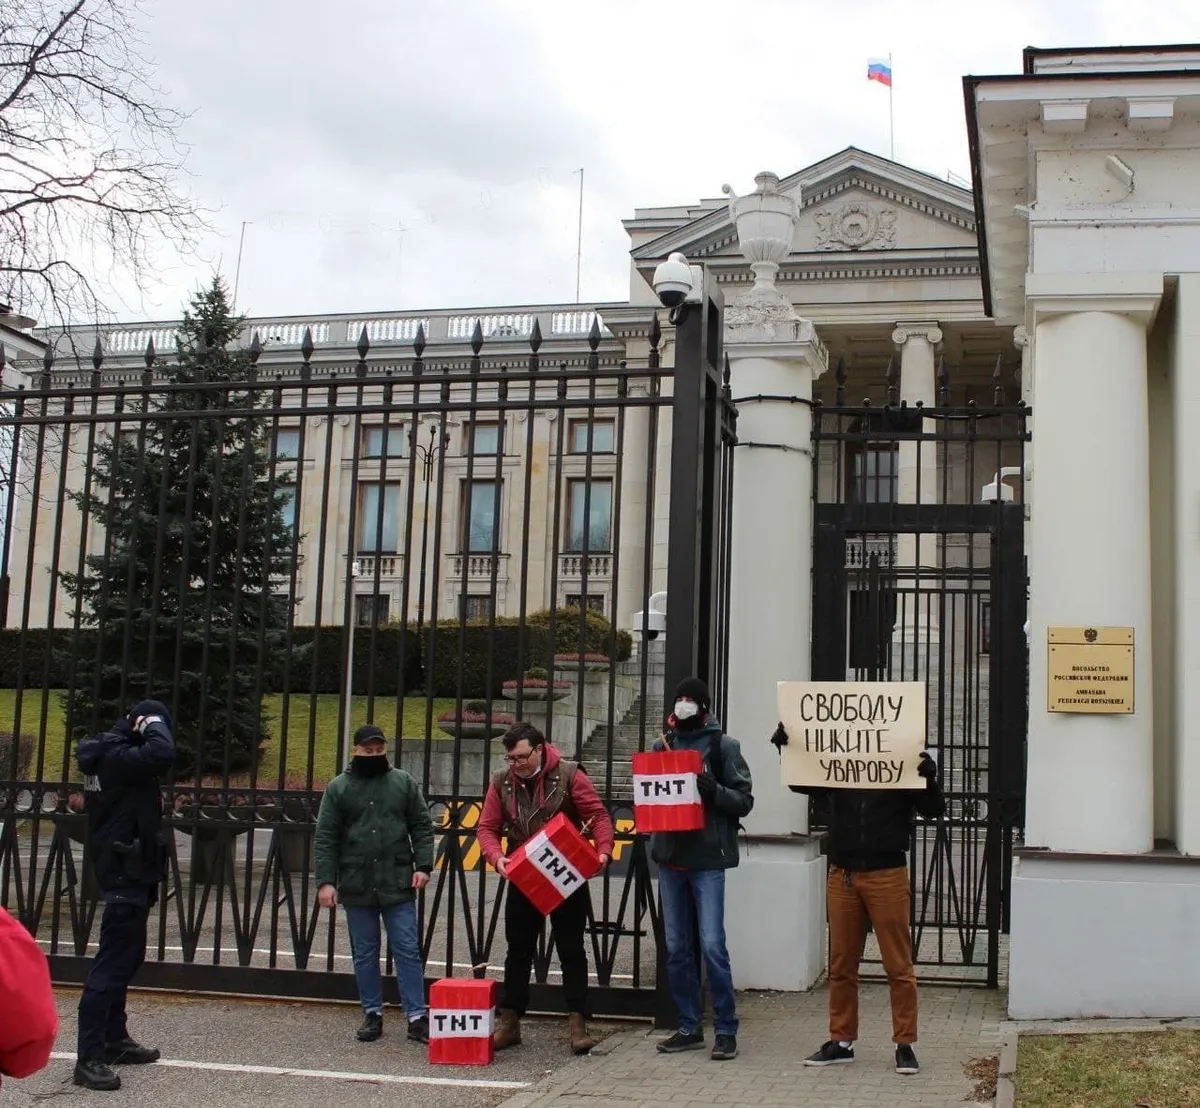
x: 693, y: 589
x: 775, y: 911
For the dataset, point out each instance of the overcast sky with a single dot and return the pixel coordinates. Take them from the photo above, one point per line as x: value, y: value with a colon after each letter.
x: 404, y: 154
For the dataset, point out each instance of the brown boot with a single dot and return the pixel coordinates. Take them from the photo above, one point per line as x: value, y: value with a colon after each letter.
x: 508, y: 1030
x: 581, y: 1041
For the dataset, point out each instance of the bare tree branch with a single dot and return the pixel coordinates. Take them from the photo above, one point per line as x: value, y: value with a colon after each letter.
x: 90, y: 161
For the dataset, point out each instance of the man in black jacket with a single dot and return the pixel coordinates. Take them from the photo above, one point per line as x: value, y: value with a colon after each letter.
x: 123, y: 801
x: 869, y: 834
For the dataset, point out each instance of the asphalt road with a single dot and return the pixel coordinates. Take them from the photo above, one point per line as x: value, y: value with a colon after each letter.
x: 300, y: 1055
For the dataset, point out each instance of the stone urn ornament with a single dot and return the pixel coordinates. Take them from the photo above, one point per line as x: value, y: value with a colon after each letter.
x: 766, y: 225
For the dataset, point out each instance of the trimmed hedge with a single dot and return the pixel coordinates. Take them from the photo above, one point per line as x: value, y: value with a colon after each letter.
x: 506, y: 648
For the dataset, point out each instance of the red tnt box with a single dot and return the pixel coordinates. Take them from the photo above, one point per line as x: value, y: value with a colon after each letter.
x: 461, y: 1021
x: 549, y: 866
x: 665, y: 795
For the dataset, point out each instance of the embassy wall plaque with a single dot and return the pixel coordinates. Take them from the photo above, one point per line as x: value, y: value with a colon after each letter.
x: 1089, y: 670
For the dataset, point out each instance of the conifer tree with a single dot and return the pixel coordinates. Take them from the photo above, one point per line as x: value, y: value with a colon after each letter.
x: 184, y: 598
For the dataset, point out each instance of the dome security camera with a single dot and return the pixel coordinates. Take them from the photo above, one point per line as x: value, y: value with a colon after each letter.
x: 674, y: 282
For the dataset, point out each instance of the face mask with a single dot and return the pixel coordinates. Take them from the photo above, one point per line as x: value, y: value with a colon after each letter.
x: 369, y: 765
x: 686, y: 709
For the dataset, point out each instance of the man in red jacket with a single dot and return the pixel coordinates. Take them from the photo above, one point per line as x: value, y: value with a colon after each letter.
x: 28, y: 1019
x: 537, y: 785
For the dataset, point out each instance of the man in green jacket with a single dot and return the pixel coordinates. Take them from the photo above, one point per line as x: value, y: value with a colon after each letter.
x: 374, y: 850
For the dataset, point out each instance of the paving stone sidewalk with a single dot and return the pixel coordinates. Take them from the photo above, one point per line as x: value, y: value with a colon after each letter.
x: 777, y: 1031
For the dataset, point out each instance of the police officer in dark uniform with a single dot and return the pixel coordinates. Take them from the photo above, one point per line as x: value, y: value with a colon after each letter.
x: 123, y: 800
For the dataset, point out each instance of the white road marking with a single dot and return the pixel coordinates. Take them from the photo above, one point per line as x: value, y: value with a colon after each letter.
x: 330, y: 1075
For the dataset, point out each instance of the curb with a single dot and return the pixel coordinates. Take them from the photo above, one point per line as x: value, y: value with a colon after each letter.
x: 1006, y: 1091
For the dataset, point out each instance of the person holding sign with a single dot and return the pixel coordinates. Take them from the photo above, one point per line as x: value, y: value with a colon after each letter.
x: 537, y: 785
x: 869, y: 833
x: 691, y: 873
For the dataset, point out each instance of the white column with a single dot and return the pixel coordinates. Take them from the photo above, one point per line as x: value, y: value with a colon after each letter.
x: 1185, y: 382
x: 1022, y: 343
x: 631, y: 593
x: 916, y: 483
x: 775, y: 913
x: 1090, y: 777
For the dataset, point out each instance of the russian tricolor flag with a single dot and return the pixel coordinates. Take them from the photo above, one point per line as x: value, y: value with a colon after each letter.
x: 880, y: 69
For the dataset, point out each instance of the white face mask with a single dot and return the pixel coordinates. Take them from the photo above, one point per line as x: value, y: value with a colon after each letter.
x: 686, y: 709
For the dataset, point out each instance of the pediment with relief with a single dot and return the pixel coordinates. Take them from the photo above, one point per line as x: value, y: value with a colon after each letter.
x: 854, y: 202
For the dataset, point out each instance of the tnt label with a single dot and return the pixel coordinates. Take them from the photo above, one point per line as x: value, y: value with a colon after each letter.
x: 662, y: 789
x: 450, y: 1023
x: 542, y: 853
x: 666, y: 796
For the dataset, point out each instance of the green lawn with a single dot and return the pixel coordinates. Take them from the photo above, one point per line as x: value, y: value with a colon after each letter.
x: 1146, y: 1069
x: 303, y: 712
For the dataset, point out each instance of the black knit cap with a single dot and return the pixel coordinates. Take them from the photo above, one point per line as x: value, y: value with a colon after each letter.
x: 367, y: 733
x: 694, y: 689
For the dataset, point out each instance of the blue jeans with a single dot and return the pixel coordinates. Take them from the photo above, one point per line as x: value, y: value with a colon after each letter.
x: 400, y: 921
x: 701, y: 891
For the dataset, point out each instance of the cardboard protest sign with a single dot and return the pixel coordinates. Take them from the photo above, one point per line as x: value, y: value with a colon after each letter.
x: 853, y: 734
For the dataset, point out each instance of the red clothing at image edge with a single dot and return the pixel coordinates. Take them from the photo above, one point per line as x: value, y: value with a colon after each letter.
x: 28, y: 1018
x: 583, y: 795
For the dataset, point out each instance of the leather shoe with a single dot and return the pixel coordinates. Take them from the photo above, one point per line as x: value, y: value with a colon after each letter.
x: 94, y: 1074
x: 129, y: 1053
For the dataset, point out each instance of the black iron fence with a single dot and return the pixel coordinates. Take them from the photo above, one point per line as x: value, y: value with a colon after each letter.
x: 920, y: 575
x: 281, y: 553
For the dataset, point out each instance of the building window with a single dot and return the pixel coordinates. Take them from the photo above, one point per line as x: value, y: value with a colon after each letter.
x: 384, y: 442
x: 287, y: 507
x: 596, y: 603
x: 873, y: 473
x: 604, y: 436
x: 593, y: 498
x: 370, y: 610
x: 484, y: 438
x: 479, y: 514
x: 378, y: 535
x: 475, y: 608
x: 287, y: 444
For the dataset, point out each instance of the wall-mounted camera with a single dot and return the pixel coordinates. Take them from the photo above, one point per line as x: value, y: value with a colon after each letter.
x: 678, y: 284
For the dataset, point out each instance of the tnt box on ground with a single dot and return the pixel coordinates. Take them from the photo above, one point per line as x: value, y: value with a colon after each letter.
x: 665, y: 794
x: 549, y: 866
x: 461, y: 1015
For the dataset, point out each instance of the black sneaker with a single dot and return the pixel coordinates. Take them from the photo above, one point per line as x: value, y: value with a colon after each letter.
x: 831, y: 1054
x: 906, y: 1059
x: 372, y: 1027
x: 94, y: 1074
x: 128, y: 1053
x: 418, y: 1030
x: 681, y: 1041
x: 724, y: 1048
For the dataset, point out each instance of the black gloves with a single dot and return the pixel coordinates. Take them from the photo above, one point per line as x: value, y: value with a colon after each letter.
x: 707, y: 784
x: 926, y: 766
x: 780, y: 738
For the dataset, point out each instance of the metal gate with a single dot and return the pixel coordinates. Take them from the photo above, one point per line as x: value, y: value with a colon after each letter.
x: 283, y: 541
x: 920, y: 575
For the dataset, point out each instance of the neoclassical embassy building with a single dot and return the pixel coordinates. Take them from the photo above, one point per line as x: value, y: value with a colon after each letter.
x: 885, y: 263
x: 1066, y: 277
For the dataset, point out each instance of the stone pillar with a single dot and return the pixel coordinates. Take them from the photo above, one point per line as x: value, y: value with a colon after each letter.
x: 1090, y: 777
x: 1021, y: 342
x: 775, y: 912
x: 775, y: 908
x: 1185, y: 403
x: 917, y: 482
x: 631, y: 592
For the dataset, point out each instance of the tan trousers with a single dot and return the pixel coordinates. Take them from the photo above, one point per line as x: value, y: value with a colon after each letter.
x: 882, y: 897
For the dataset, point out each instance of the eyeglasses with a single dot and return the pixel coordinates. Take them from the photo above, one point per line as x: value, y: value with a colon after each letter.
x: 517, y: 759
